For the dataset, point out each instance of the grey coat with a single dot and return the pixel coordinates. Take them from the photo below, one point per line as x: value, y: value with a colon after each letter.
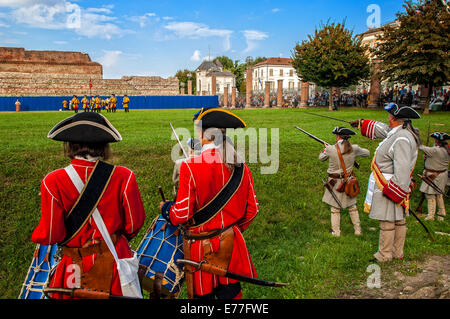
x: 437, y: 159
x: 334, y: 167
x: 396, y: 157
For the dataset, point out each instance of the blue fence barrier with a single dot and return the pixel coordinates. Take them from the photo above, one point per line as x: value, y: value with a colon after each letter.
x: 54, y: 103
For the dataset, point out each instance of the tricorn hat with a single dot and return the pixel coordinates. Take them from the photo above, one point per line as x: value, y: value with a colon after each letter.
x: 404, y: 112
x: 440, y: 136
x: 85, y: 128
x: 219, y: 118
x: 343, y: 131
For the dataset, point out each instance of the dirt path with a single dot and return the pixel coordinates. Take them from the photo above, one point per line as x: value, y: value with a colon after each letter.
x: 410, y: 280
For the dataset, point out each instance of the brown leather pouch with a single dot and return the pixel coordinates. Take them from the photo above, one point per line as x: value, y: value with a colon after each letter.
x: 100, y: 275
x: 350, y: 184
x: 221, y: 258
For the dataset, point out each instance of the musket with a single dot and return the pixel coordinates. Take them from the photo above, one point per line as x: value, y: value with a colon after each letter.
x: 329, y: 117
x: 423, y: 225
x: 203, y: 266
x: 327, y: 186
x: 81, y: 293
x: 430, y: 183
x: 422, y: 196
x: 178, y: 140
x: 356, y: 164
x: 312, y: 136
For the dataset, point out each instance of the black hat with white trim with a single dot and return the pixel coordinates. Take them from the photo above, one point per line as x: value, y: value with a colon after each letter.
x: 404, y: 112
x: 85, y: 128
x: 218, y: 118
x: 343, y: 131
x: 440, y: 136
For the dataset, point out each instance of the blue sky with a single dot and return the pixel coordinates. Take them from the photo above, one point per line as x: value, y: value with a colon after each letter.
x: 160, y: 37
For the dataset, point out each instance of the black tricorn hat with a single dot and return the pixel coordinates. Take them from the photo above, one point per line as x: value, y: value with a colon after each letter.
x: 219, y: 118
x: 404, y: 112
x: 440, y: 136
x: 85, y: 128
x: 343, y: 131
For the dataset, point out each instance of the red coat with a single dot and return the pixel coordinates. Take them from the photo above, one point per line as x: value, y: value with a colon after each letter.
x: 121, y: 208
x: 198, y: 184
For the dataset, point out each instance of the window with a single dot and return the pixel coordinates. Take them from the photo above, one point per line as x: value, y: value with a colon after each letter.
x: 281, y: 72
x: 270, y: 72
x: 291, y: 73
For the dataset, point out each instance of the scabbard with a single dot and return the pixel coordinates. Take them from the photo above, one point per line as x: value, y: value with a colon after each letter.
x: 188, y: 274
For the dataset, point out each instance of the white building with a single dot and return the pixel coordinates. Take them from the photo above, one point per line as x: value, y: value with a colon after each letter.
x: 204, y: 78
x: 272, y: 70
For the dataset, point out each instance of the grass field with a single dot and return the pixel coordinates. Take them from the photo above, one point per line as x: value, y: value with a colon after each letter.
x: 289, y: 240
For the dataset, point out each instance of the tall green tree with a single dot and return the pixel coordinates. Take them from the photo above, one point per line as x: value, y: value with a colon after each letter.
x: 416, y: 50
x: 183, y: 77
x: 332, y: 57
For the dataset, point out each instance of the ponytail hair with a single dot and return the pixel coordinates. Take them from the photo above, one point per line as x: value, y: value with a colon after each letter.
x: 346, y: 144
x: 225, y: 146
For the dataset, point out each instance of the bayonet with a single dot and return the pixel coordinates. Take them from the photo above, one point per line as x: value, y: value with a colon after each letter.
x: 329, y: 117
x: 178, y: 140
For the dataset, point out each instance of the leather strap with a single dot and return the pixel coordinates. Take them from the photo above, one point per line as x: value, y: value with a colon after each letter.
x: 341, y: 159
x: 88, y: 200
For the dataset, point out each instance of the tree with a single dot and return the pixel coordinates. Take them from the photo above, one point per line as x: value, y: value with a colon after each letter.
x: 183, y: 77
x: 415, y: 51
x: 333, y: 57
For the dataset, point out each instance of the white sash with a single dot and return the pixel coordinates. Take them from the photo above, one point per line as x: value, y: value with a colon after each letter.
x: 126, y: 267
x: 370, y: 190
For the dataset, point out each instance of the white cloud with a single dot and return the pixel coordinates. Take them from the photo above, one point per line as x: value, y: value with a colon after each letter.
x: 193, y: 30
x: 144, y: 19
x: 275, y: 10
x: 62, y: 14
x: 110, y: 58
x: 60, y: 42
x: 196, y: 56
x: 252, y: 37
x: 167, y: 18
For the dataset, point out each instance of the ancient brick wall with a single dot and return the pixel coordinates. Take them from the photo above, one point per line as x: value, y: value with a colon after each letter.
x: 54, y: 73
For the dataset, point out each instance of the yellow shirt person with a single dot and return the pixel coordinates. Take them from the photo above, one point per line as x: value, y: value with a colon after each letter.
x: 113, y: 103
x: 125, y: 102
x: 85, y: 102
x: 75, y: 103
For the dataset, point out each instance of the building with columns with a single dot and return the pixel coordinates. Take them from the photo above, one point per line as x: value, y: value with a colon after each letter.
x: 207, y: 73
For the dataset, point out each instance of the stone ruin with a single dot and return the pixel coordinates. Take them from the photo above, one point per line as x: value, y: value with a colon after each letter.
x: 60, y: 73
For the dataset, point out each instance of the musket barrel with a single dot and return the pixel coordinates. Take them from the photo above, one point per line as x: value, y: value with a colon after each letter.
x: 310, y: 135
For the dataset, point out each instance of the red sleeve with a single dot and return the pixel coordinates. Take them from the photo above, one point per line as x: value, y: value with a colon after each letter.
x: 368, y: 128
x: 394, y: 192
x: 51, y: 228
x: 252, y: 207
x: 134, y: 208
x: 183, y: 209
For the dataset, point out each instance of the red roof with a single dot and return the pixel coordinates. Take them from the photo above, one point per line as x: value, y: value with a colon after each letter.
x: 275, y: 61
